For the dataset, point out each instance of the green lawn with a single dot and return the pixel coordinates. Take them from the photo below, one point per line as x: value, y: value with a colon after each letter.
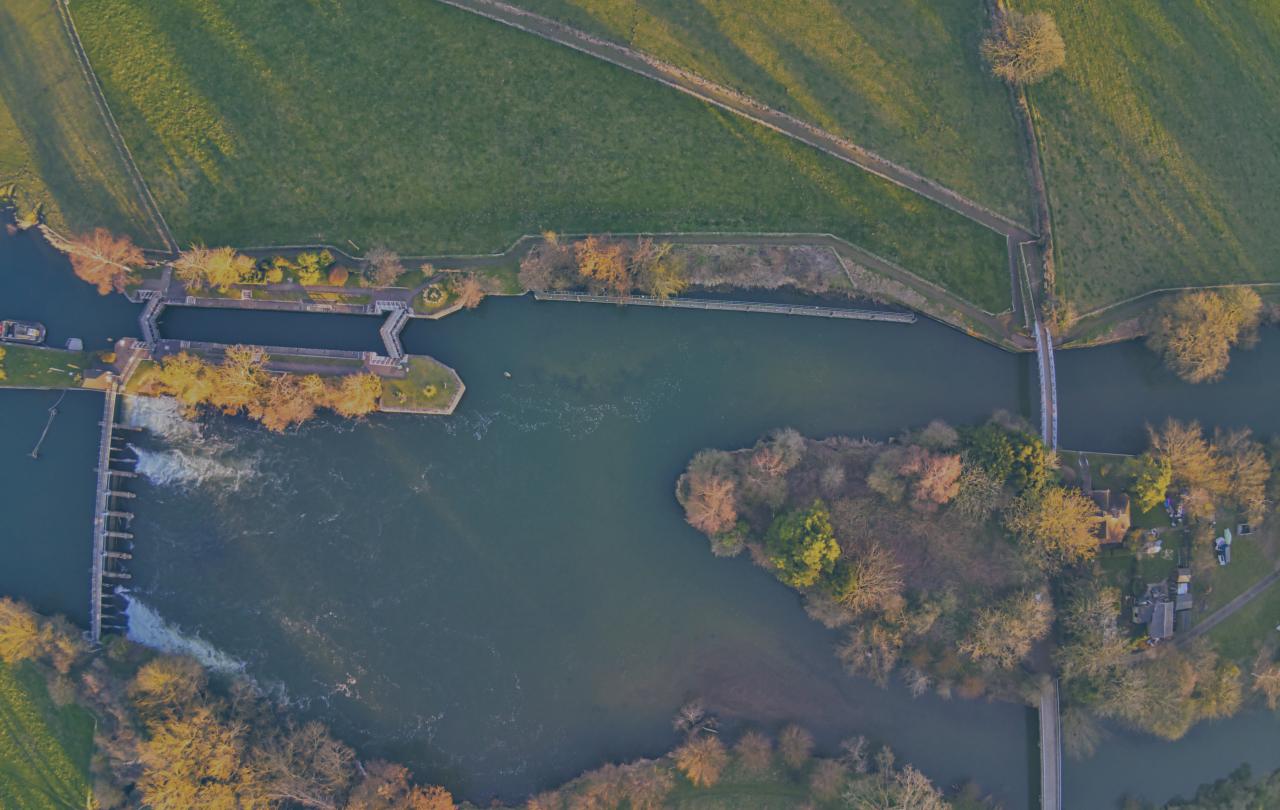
x: 44, y: 750
x: 903, y: 79
x: 1160, y: 145
x: 429, y: 385
x: 1241, y: 636
x: 53, y: 144
x: 34, y: 367
x: 432, y: 130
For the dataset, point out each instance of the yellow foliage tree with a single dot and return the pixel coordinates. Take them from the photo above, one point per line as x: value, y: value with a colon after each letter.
x: 1196, y: 331
x: 20, y: 637
x: 195, y: 759
x: 220, y: 267
x: 356, y: 395
x: 702, y: 760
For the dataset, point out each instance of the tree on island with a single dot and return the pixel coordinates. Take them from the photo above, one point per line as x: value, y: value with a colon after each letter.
x: 1004, y: 632
x: 107, y: 261
x: 1194, y: 332
x: 1024, y: 48
x: 242, y: 384
x: 802, y: 545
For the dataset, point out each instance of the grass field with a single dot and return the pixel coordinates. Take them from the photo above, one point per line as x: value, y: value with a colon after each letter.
x: 53, y: 143
x: 432, y: 130
x: 38, y: 367
x: 1241, y: 636
x: 44, y: 750
x: 1160, y: 144
x: 903, y: 79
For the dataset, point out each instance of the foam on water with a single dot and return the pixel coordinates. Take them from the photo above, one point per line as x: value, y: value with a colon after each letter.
x: 161, y: 416
x: 193, y: 468
x: 149, y: 628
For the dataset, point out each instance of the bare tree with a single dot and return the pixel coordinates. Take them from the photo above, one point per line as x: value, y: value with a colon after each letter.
x: 104, y: 260
x: 383, y: 266
x: 1024, y: 48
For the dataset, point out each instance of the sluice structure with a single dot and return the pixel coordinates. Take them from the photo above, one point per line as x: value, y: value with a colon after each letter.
x: 112, y: 540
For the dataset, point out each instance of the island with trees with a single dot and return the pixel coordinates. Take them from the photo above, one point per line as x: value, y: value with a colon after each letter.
x: 974, y: 561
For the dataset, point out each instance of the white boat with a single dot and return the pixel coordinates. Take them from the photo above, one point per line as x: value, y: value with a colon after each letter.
x: 28, y: 332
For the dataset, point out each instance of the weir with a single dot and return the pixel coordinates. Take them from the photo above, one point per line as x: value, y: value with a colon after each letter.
x: 101, y: 520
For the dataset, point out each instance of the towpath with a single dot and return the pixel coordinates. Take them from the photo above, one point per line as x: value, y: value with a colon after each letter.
x: 1231, y: 608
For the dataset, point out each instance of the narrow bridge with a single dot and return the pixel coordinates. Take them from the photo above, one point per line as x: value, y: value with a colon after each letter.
x: 1046, y: 368
x: 1050, y: 748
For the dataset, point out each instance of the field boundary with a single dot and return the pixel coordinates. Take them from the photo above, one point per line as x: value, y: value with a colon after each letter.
x: 113, y: 129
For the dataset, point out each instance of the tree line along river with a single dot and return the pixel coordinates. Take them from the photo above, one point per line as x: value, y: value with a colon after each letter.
x: 509, y: 596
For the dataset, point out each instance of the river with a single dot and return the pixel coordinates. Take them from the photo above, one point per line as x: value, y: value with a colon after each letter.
x: 508, y: 596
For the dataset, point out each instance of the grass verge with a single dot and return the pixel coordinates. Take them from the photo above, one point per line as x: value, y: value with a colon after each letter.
x: 44, y: 749
x: 434, y: 131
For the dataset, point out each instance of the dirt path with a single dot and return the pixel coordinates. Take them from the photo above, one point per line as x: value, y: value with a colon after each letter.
x: 739, y: 104
x: 1229, y: 609
x: 117, y: 139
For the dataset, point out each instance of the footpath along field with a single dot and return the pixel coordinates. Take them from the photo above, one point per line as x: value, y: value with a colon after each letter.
x: 1160, y: 145
x: 432, y: 130
x: 902, y: 79
x: 54, y: 147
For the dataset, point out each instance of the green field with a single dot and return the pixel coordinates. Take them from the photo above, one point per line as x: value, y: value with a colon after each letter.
x: 44, y: 750
x: 1160, y: 145
x: 1240, y: 637
x: 433, y: 130
x: 53, y: 143
x: 39, y: 367
x: 903, y: 79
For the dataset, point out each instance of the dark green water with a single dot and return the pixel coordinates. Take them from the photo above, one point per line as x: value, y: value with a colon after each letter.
x: 508, y: 596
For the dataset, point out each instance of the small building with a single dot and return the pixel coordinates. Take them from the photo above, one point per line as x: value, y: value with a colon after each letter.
x: 1161, y: 625
x: 1182, y: 590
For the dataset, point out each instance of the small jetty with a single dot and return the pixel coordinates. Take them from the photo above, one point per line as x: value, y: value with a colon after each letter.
x: 733, y: 306
x: 112, y: 541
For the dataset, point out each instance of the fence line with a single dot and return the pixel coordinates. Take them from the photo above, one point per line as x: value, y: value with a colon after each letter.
x: 734, y: 306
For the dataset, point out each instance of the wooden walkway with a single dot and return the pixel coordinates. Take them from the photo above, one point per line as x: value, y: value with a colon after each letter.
x: 1050, y: 748
x: 734, y: 306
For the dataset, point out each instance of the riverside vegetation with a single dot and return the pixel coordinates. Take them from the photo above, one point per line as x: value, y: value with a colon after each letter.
x: 226, y: 172
x: 128, y: 727
x: 241, y: 383
x: 946, y: 556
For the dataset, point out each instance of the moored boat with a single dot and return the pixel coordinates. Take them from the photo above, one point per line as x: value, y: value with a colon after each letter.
x: 28, y: 332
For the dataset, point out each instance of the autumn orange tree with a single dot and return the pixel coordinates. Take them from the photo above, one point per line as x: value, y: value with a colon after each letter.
x: 107, y: 261
x: 242, y: 384
x: 602, y: 264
